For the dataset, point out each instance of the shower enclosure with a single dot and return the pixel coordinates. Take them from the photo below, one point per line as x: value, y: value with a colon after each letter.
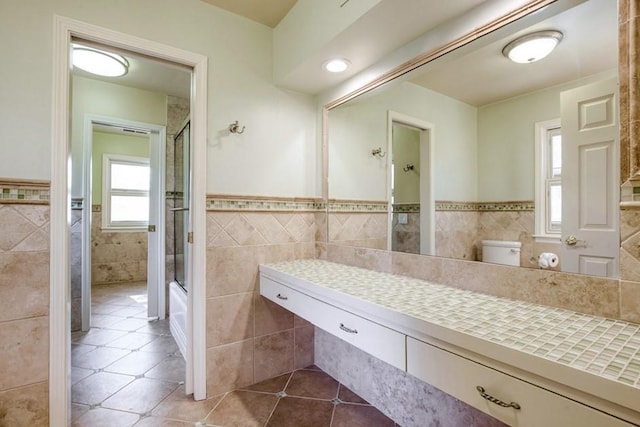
x: 180, y: 216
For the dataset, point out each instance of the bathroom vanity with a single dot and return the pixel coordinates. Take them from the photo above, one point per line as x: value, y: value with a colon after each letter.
x: 522, y: 363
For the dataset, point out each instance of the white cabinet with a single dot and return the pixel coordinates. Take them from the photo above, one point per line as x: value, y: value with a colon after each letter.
x: 457, y: 367
x: 379, y: 341
x: 461, y: 377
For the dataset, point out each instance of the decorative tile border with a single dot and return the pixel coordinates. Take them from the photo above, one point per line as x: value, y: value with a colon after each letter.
x: 406, y: 208
x: 262, y: 204
x: 442, y: 205
x: 174, y: 195
x: 77, y: 204
x: 506, y: 206
x: 24, y: 191
x: 358, y: 206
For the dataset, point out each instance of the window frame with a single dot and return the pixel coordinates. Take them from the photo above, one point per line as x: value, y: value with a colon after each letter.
x: 108, y: 192
x: 544, y: 231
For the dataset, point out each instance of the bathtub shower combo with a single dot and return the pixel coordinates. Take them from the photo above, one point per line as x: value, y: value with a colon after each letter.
x: 179, y: 286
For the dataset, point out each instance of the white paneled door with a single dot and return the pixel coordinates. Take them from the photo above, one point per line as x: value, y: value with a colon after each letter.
x: 590, y: 184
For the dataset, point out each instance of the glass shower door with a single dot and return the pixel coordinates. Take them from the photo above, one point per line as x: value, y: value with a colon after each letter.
x: 181, y: 205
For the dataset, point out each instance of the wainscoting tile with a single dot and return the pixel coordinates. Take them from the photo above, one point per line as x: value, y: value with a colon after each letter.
x: 229, y: 319
x: 24, y: 352
x: 270, y: 317
x: 25, y: 406
x: 273, y: 355
x: 229, y: 367
x: 630, y: 301
x: 24, y: 285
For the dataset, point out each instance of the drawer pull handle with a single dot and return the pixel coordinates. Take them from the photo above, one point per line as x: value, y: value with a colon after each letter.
x: 495, y: 400
x: 349, y: 330
x: 282, y: 297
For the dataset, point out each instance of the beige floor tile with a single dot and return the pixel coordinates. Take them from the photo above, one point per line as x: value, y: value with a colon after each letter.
x: 162, y: 422
x: 130, y: 324
x: 96, y: 336
x: 98, y: 387
x: 162, y: 344
x: 180, y: 406
x: 132, y: 341
x: 100, y: 417
x: 135, y: 363
x: 171, y: 368
x: 99, y: 358
x: 78, y: 374
x: 141, y: 396
x: 243, y: 409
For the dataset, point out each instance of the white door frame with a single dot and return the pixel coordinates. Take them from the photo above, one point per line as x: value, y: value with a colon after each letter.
x: 156, y: 244
x: 427, y: 197
x: 60, y: 220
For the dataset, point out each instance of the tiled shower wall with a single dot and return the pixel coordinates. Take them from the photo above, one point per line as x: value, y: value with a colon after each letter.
x: 24, y: 303
x: 249, y: 338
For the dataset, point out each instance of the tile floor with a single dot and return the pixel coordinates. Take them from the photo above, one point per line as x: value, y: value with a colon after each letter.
x: 128, y: 371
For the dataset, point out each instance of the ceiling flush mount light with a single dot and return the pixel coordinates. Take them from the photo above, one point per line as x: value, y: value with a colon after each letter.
x: 99, y: 62
x: 337, y: 65
x: 532, y: 47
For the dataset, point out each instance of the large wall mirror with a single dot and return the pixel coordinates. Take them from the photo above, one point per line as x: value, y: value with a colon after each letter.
x: 473, y: 156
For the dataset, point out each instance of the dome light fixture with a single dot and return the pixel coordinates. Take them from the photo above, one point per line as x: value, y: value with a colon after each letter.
x: 100, y: 62
x: 336, y: 65
x: 532, y: 47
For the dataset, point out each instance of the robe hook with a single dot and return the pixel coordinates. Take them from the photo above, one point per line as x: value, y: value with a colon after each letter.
x: 378, y: 152
x: 408, y: 168
x: 235, y: 128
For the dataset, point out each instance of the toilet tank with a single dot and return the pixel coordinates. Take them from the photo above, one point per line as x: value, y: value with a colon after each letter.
x: 501, y: 252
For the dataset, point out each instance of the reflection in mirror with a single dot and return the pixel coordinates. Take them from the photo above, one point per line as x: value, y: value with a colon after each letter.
x: 485, y: 126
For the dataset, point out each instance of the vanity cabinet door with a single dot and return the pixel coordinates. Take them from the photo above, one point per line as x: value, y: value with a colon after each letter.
x: 379, y: 341
x: 461, y: 377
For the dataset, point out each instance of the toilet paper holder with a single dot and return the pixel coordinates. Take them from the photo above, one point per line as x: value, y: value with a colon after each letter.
x: 548, y: 260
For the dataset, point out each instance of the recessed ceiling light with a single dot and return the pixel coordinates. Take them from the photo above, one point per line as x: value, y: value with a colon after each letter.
x: 532, y: 47
x: 337, y: 65
x: 99, y: 62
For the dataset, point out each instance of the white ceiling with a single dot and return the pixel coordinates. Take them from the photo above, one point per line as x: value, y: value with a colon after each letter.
x: 148, y: 74
x: 386, y: 27
x: 483, y: 75
x: 267, y: 12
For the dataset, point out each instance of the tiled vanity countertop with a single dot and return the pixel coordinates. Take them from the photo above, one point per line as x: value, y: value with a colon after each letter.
x: 597, y: 355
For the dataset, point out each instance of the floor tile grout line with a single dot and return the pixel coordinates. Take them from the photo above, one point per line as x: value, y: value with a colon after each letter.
x: 214, y: 407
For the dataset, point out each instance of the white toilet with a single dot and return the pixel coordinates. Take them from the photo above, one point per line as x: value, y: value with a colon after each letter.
x: 501, y: 252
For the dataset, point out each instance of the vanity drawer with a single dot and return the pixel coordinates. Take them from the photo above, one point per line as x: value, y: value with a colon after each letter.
x: 379, y: 341
x: 459, y: 377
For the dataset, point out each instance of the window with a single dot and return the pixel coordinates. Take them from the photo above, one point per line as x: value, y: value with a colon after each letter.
x: 125, y: 192
x: 548, y: 179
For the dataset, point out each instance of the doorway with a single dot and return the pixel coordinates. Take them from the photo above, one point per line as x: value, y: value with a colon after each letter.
x: 59, y: 366
x: 411, y: 224
x: 117, y: 244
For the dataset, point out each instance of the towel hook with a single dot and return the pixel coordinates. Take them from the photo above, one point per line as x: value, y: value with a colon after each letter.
x: 378, y: 152
x: 408, y: 168
x: 235, y: 128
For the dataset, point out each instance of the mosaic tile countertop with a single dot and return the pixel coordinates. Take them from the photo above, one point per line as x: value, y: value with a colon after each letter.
x: 603, y: 347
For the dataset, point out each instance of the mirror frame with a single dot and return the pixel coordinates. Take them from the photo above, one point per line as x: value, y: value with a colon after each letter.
x: 627, y: 70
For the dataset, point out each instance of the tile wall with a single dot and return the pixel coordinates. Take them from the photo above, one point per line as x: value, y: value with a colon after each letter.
x: 249, y: 338
x: 116, y: 257
x: 358, y: 223
x: 402, y: 397
x: 24, y: 304
x: 629, y: 40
